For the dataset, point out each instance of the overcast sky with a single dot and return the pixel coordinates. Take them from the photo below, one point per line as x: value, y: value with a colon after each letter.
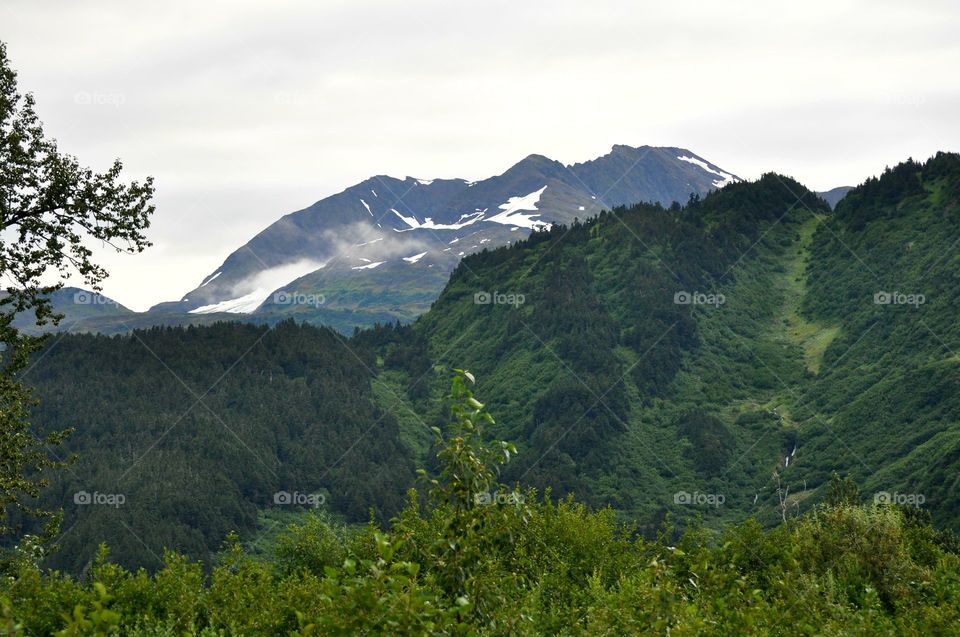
x: 246, y: 110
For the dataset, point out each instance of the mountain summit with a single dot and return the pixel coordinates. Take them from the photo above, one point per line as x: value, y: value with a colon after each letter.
x: 383, y: 249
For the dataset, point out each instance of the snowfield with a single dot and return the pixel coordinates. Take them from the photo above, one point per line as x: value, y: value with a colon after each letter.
x: 726, y: 178
x: 513, y: 214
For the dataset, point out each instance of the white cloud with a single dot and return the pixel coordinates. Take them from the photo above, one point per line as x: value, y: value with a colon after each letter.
x: 245, y: 110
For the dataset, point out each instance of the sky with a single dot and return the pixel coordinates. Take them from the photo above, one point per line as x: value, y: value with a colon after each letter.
x: 245, y: 110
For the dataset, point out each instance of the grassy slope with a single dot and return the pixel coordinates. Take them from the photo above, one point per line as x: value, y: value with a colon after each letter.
x: 810, y: 335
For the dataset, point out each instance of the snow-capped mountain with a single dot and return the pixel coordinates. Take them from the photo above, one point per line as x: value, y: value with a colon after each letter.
x: 384, y: 247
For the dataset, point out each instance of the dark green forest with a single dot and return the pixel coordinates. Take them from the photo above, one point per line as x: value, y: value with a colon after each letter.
x: 199, y: 427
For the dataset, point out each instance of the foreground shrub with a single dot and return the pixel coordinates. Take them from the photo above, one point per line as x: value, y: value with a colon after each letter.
x: 477, y: 557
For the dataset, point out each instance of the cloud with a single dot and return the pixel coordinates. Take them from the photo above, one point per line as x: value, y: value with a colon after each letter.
x: 360, y: 240
x: 246, y: 110
x: 350, y: 245
x: 246, y: 295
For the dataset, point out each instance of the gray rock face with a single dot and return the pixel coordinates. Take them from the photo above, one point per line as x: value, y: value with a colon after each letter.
x: 385, y: 246
x: 834, y: 195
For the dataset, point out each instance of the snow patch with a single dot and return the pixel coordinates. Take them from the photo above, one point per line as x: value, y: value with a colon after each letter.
x: 211, y: 278
x: 367, y: 206
x: 366, y: 243
x: 254, y: 290
x: 242, y: 305
x: 413, y: 223
x: 415, y: 257
x: 369, y: 266
x: 512, y: 214
x: 725, y: 178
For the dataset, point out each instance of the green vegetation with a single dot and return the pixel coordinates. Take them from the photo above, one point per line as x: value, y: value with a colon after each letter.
x: 884, y: 268
x: 479, y: 558
x: 199, y: 428
x: 812, y: 337
x: 797, y: 374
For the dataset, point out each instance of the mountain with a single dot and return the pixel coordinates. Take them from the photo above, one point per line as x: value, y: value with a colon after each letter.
x: 383, y: 249
x: 834, y: 195
x: 79, y: 308
x: 718, y: 361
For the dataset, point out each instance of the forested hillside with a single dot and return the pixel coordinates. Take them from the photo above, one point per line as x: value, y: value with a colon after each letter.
x: 743, y: 347
x: 885, y: 269
x: 197, y: 429
x: 626, y: 374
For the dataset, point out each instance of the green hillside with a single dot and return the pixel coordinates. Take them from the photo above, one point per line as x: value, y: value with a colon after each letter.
x: 617, y: 393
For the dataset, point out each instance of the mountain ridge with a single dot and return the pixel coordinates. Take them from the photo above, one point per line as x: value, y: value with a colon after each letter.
x: 410, y: 216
